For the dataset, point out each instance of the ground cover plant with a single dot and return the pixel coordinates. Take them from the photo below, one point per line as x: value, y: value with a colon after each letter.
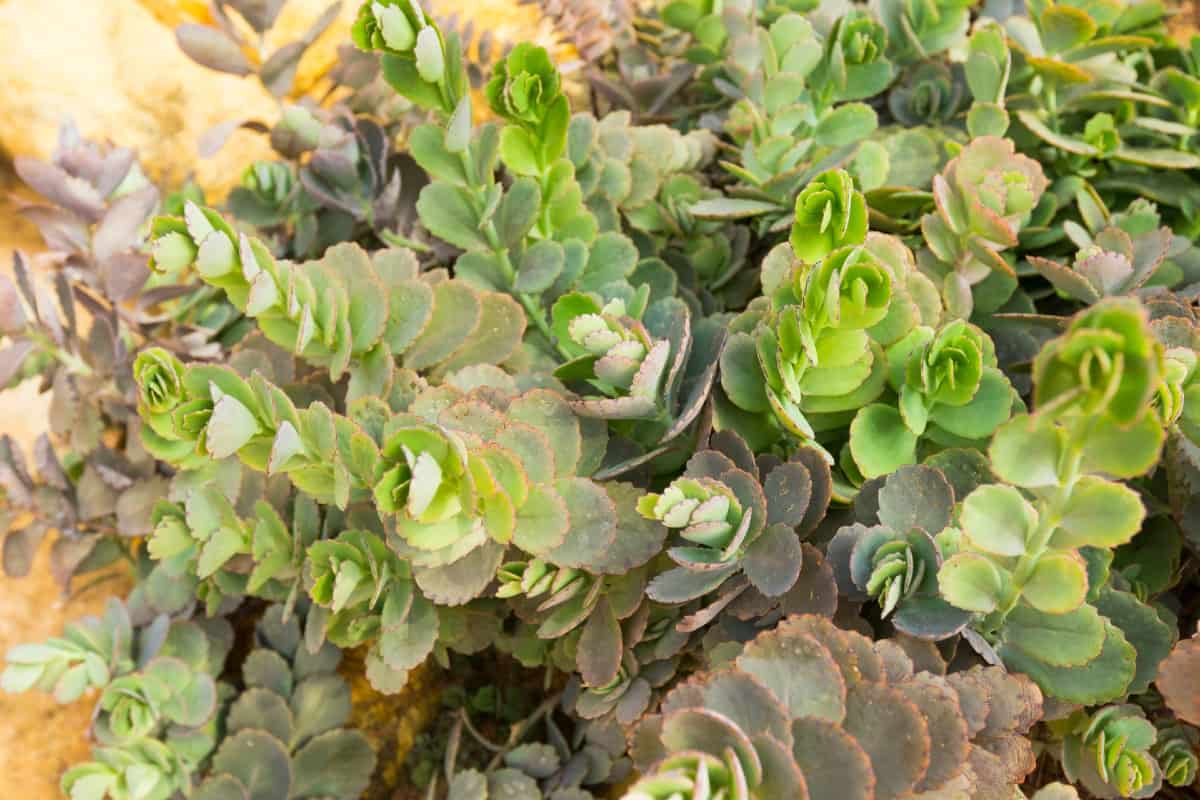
x: 793, y: 400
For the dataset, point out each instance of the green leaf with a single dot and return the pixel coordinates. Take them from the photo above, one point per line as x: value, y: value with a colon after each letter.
x: 971, y: 582
x: 401, y: 74
x: 447, y: 212
x: 496, y: 337
x: 799, y: 671
x: 540, y: 267
x: 1123, y: 452
x: 518, y: 211
x: 427, y: 146
x: 1043, y: 131
x: 1060, y: 640
x: 1158, y: 158
x: 519, y: 151
x: 731, y: 208
x: 1105, y: 677
x: 1100, y: 513
x: 259, y: 760
x: 600, y: 646
x: 990, y: 406
x: 998, y: 519
x: 223, y: 545
x: 1064, y: 27
x: 846, y: 124
x: 1058, y: 584
x: 337, y: 763
x: 987, y: 119
x: 1144, y: 628
x: 230, y: 428
x: 741, y: 376
x: 407, y: 644
x: 880, y: 442
x: 457, y: 309
x: 1026, y: 452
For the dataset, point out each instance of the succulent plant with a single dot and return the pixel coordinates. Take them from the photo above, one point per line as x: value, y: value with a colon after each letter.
x: 929, y: 94
x: 1109, y: 752
x: 984, y: 197
x: 830, y: 214
x: 948, y: 389
x: 732, y: 527
x: 284, y: 735
x: 1024, y: 562
x: 921, y: 28
x: 800, y: 712
x: 88, y: 654
x: 645, y: 407
x: 69, y: 318
x: 1109, y: 267
x: 418, y: 61
x: 894, y: 558
x: 1175, y: 752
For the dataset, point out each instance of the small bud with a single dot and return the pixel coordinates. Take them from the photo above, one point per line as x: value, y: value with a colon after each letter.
x: 397, y: 31
x: 431, y: 61
x: 173, y: 252
x: 217, y: 255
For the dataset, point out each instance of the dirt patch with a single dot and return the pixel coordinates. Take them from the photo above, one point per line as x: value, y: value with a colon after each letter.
x: 39, y: 738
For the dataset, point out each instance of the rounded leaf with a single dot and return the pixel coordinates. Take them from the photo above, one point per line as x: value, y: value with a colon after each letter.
x: 1099, y: 513
x: 880, y: 442
x: 1058, y: 583
x: 998, y: 519
x: 799, y: 671
x: 337, y: 764
x: 833, y: 763
x: 1026, y: 451
x: 259, y: 761
x: 971, y: 582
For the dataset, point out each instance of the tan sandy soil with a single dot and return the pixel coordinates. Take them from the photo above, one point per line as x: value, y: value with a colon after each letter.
x: 38, y: 737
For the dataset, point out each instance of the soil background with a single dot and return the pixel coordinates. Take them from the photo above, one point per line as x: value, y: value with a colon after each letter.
x: 38, y: 737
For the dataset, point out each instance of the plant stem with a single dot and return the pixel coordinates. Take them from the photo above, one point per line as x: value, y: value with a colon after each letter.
x: 1050, y: 512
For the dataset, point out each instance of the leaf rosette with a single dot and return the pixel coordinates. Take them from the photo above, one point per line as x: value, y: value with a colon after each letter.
x: 809, y: 711
x: 984, y: 197
x: 855, y: 64
x: 447, y: 492
x: 807, y: 357
x: 526, y: 89
x: 733, y: 528
x: 921, y: 28
x: 1108, y: 752
x: 830, y: 213
x: 892, y: 556
x: 1112, y: 263
x: 1107, y: 364
x: 949, y: 390
x: 1176, y: 752
x: 930, y: 94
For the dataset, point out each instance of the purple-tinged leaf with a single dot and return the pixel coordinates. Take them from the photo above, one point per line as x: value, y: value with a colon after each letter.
x: 212, y: 48
x: 598, y: 656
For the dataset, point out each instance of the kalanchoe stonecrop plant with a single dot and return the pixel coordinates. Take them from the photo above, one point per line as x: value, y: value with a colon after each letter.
x: 810, y: 710
x: 750, y: 414
x: 1024, y: 562
x: 948, y: 391
x: 733, y: 528
x: 894, y: 558
x: 1109, y: 752
x: 985, y: 195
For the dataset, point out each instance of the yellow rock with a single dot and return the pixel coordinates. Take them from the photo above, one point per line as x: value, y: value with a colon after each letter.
x: 114, y: 66
x: 118, y: 72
